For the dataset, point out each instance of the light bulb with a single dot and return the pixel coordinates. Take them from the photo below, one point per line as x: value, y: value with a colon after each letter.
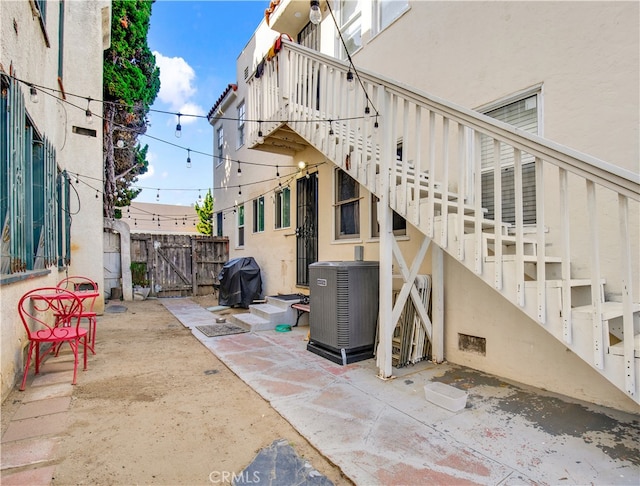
x: 260, y: 137
x: 33, y: 94
x: 188, y: 159
x: 350, y: 82
x: 315, y: 15
x: 179, y: 127
x: 88, y: 113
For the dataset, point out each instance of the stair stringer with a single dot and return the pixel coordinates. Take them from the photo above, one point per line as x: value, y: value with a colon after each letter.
x: 582, y: 343
x: 350, y: 142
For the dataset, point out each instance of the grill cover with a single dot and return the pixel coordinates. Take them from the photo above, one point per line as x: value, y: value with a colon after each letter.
x: 240, y: 282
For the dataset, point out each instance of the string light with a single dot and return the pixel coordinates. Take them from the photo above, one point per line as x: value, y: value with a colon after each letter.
x: 239, y: 170
x: 315, y: 15
x: 188, y: 158
x: 277, y: 171
x: 239, y: 190
x: 179, y: 127
x: 88, y: 113
x: 33, y: 94
x: 351, y: 85
x: 330, y: 128
x: 158, y: 195
x: 260, y: 136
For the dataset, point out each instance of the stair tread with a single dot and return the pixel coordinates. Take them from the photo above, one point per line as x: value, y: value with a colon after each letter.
x: 574, y: 282
x: 618, y: 348
x: 527, y: 258
x: 610, y: 310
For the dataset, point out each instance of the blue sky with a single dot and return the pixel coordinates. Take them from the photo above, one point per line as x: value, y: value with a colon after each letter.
x: 196, y: 44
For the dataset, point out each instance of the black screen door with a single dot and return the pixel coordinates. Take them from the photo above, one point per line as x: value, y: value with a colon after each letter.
x: 306, y: 227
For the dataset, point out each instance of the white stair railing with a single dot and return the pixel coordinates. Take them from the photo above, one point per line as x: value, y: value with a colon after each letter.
x: 437, y: 188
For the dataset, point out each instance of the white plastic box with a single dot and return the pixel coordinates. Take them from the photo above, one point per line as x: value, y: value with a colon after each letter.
x: 446, y: 396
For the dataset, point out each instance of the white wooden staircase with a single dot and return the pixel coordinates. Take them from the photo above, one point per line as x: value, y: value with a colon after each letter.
x: 578, y: 280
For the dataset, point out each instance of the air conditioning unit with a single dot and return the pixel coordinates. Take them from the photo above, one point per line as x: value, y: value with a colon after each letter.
x: 344, y: 310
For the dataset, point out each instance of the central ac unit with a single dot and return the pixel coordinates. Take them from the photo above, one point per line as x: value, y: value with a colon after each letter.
x: 344, y: 310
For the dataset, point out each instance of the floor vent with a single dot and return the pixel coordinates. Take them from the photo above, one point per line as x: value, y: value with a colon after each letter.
x: 473, y: 344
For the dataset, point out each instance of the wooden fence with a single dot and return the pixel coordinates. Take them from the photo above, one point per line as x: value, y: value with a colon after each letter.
x: 180, y: 265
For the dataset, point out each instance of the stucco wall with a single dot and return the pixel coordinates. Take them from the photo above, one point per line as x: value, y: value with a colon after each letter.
x: 23, y: 50
x: 585, y: 56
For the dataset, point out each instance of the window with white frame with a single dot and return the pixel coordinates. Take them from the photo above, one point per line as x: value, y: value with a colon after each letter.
x: 522, y: 113
x: 219, y: 145
x: 283, y: 208
x: 386, y: 11
x: 399, y: 223
x: 240, y: 226
x: 347, y: 206
x: 241, y: 120
x: 350, y: 15
x: 258, y: 214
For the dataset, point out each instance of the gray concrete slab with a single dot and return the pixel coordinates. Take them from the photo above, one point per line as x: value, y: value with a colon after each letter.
x: 386, y: 432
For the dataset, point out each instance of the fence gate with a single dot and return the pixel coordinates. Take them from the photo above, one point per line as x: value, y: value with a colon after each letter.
x: 180, y: 265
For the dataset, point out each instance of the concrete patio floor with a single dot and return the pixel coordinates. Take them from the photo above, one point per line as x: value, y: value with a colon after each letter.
x: 385, y: 432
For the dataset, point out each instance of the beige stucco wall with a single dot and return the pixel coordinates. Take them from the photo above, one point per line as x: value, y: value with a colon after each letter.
x: 23, y: 49
x: 585, y: 57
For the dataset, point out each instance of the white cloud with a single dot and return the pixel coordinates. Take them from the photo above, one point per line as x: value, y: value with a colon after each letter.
x: 192, y: 109
x: 150, y: 171
x: 176, y: 81
x: 177, y: 88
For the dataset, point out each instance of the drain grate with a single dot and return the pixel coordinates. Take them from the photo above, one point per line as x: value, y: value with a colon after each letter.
x: 214, y: 330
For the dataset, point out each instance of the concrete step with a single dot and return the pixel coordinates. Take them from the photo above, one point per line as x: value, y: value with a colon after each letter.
x: 251, y: 322
x: 269, y: 312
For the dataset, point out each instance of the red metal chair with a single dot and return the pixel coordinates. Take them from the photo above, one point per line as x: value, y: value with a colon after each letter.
x: 39, y: 311
x: 87, y: 290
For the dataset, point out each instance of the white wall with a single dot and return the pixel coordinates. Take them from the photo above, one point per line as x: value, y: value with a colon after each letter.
x: 24, y: 52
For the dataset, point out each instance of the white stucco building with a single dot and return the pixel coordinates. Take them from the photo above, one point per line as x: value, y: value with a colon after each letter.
x: 549, y: 298
x: 51, y: 56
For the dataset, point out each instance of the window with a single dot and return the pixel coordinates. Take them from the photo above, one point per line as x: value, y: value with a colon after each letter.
x: 283, y: 208
x: 350, y: 27
x: 258, y: 215
x: 219, y: 219
x: 523, y: 114
x: 34, y: 194
x: 386, y: 11
x: 399, y: 223
x: 347, y: 206
x: 241, y: 225
x: 241, y: 117
x: 219, y: 145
